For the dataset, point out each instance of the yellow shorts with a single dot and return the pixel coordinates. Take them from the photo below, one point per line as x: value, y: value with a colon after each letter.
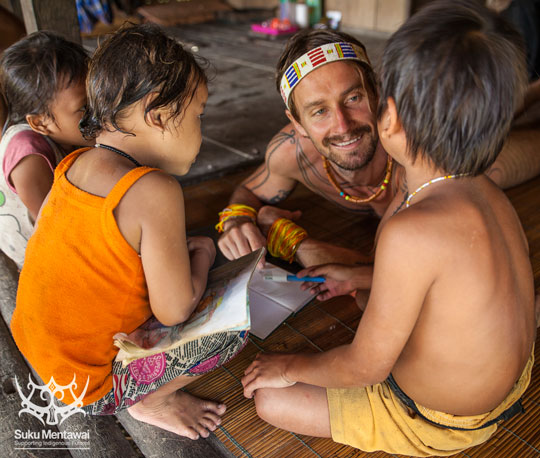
x: 373, y: 418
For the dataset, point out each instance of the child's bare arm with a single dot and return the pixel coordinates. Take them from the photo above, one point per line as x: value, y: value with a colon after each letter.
x: 201, y: 250
x: 341, y: 279
x: 176, y: 276
x: 32, y: 178
x: 403, y: 273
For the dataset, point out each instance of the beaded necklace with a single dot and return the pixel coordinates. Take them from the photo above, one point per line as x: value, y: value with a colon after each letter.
x: 358, y: 200
x: 425, y: 185
x: 120, y: 152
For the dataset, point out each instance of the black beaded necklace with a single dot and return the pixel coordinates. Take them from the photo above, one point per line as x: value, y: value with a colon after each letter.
x: 120, y: 152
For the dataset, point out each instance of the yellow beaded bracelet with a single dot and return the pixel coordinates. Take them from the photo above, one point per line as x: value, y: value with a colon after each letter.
x: 283, y: 239
x: 235, y: 210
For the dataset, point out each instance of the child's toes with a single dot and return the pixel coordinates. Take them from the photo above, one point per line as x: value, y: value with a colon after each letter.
x: 209, y: 424
x: 216, y: 408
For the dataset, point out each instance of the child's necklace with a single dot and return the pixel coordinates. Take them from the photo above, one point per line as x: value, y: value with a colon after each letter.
x: 425, y: 185
x: 120, y: 152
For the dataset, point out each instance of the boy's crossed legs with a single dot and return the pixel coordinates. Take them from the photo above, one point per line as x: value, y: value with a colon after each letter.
x: 301, y: 408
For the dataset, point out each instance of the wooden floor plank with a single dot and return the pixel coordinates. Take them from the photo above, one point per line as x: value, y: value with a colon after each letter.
x: 344, y: 310
x: 321, y: 329
x: 502, y: 444
x: 526, y: 426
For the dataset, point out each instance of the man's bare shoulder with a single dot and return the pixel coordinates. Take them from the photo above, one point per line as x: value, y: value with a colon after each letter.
x: 287, y: 150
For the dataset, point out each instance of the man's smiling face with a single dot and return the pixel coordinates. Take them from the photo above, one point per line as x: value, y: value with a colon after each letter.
x: 333, y: 106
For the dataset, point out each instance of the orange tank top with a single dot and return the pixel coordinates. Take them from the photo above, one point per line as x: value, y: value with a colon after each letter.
x: 81, y: 283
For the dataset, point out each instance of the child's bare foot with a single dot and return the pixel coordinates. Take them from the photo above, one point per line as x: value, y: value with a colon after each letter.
x: 180, y: 413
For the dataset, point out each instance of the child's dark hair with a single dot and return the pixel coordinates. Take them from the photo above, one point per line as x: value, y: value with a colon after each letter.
x: 35, y: 68
x: 132, y: 63
x: 456, y: 72
x: 304, y: 41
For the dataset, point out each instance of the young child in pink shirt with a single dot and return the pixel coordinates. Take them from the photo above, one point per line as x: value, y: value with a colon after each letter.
x: 42, y: 79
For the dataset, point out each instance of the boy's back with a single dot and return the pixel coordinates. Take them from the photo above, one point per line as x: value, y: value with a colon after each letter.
x: 470, y: 249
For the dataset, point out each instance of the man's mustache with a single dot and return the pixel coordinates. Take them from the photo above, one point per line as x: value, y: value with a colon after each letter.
x: 356, y: 132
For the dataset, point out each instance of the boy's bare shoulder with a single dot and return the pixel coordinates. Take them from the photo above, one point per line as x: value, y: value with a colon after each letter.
x: 406, y: 227
x: 416, y: 236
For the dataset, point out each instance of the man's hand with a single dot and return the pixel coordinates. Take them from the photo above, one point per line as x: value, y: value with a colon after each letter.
x: 267, y: 371
x: 341, y: 280
x: 240, y: 237
x: 268, y: 214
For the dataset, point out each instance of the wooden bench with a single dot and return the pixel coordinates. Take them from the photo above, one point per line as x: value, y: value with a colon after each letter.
x: 110, y: 436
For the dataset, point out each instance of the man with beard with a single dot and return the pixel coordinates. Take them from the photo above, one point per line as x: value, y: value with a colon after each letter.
x: 332, y: 147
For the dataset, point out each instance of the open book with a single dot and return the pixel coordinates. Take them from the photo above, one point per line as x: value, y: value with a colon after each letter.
x: 272, y: 302
x: 232, y: 290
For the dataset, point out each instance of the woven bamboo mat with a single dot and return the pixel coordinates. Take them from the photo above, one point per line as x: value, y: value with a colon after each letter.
x: 323, y: 325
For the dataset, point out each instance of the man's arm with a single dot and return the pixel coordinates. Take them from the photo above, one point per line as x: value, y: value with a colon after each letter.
x: 532, y: 96
x: 403, y: 274
x: 311, y: 252
x: 519, y: 159
x: 271, y: 183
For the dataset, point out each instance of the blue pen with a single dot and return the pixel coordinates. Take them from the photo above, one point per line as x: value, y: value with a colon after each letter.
x: 284, y: 276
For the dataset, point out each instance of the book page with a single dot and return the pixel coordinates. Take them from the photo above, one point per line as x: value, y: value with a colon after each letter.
x: 272, y: 302
x: 266, y: 315
x: 223, y: 307
x: 286, y: 294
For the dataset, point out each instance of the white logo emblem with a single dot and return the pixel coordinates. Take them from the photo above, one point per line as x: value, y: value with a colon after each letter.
x: 54, y: 413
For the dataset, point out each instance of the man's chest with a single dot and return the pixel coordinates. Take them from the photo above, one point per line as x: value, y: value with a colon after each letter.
x: 375, y: 200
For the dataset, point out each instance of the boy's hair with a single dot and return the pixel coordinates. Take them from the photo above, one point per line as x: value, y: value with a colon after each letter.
x: 35, y: 68
x: 132, y: 63
x: 304, y: 41
x: 457, y: 72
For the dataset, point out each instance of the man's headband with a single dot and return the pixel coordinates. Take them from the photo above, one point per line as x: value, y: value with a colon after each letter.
x: 316, y: 58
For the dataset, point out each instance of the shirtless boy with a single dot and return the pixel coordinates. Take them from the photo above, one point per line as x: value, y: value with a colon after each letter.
x: 444, y: 349
x: 332, y: 112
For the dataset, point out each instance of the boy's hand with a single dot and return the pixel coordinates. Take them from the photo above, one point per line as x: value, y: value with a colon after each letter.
x: 268, y: 214
x: 203, y: 244
x: 340, y: 280
x: 267, y: 371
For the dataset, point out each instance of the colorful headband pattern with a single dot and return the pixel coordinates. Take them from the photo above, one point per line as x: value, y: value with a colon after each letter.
x: 315, y: 58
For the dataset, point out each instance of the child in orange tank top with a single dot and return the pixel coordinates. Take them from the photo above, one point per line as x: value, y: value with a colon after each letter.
x: 110, y: 247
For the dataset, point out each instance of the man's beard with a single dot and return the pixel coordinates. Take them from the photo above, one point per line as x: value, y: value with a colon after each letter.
x: 355, y: 159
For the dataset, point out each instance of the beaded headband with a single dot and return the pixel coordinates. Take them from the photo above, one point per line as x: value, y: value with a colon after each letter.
x: 314, y: 59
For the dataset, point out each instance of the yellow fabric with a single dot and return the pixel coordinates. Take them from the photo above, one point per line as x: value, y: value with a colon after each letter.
x: 373, y: 418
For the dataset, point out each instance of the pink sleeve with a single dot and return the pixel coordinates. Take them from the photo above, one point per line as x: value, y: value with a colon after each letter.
x: 24, y: 144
